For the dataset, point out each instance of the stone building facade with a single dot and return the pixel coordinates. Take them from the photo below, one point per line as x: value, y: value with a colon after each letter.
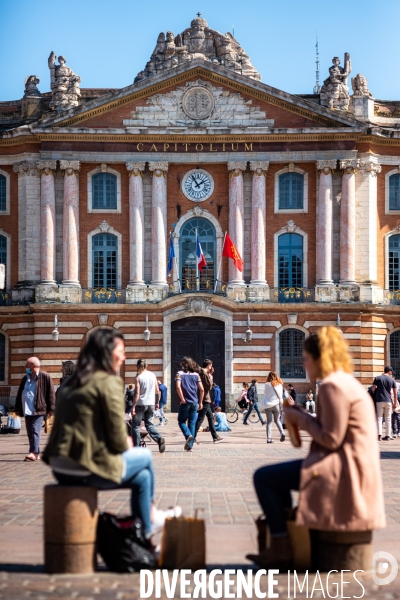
x: 95, y: 185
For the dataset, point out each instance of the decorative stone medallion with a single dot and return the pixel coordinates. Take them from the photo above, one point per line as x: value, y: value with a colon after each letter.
x: 197, y: 185
x: 103, y: 318
x: 198, y: 103
x: 195, y: 306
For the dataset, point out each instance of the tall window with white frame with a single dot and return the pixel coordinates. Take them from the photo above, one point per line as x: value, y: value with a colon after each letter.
x: 394, y: 192
x: 105, y: 253
x: 2, y: 357
x: 290, y: 261
x: 291, y: 354
x: 394, y: 262
x: 291, y: 191
x: 3, y: 254
x: 395, y: 351
x: 3, y: 193
x: 104, y: 191
x: 207, y: 236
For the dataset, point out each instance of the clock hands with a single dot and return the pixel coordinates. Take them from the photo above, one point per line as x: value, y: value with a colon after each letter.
x: 196, y: 182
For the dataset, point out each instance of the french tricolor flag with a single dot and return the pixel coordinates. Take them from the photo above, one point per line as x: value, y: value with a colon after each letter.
x: 201, y: 260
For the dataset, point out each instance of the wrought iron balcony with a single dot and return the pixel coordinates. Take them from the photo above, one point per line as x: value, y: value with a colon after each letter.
x: 391, y: 296
x: 292, y: 295
x: 103, y: 296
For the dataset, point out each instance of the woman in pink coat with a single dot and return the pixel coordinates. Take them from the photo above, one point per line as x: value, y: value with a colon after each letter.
x: 340, y: 480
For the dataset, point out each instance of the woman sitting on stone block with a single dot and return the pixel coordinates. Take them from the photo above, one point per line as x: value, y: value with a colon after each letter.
x: 340, y: 480
x: 88, y: 444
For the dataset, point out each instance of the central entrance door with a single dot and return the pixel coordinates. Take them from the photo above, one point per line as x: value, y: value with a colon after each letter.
x: 199, y: 338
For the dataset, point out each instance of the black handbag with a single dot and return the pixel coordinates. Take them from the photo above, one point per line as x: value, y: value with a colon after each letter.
x: 122, y: 545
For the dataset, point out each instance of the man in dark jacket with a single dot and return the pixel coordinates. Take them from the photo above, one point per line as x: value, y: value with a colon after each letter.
x: 35, y: 399
x: 252, y: 396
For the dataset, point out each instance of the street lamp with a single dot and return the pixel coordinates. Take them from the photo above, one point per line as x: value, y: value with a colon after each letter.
x: 55, y: 333
x: 249, y: 334
x: 146, y: 333
x: 338, y: 323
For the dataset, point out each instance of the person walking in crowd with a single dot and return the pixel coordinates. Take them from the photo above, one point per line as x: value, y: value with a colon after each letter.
x: 163, y: 401
x: 68, y: 368
x: 216, y: 395
x: 343, y: 444
x: 243, y: 401
x: 129, y: 395
x: 273, y: 404
x: 35, y: 400
x: 88, y: 444
x: 292, y: 392
x: 385, y: 390
x: 221, y: 424
x: 395, y: 414
x: 206, y: 376
x: 252, y: 397
x: 190, y: 392
x: 145, y: 401
x: 310, y: 404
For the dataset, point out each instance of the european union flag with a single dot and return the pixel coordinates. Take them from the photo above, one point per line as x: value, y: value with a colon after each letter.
x: 171, y: 254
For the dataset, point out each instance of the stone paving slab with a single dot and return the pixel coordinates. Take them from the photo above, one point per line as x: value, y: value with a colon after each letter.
x: 215, y: 478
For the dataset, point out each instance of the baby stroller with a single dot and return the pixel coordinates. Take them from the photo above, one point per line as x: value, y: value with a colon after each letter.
x: 144, y: 436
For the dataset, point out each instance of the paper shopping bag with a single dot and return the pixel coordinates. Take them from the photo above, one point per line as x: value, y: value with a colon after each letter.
x: 183, y: 544
x: 48, y: 423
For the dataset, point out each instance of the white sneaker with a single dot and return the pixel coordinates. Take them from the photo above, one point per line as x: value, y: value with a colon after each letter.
x: 161, y: 515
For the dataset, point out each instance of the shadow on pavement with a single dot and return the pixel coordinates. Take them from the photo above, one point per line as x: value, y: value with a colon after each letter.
x: 21, y: 568
x: 392, y: 455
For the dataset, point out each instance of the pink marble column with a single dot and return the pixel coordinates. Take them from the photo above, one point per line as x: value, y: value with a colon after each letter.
x: 236, y: 202
x: 258, y: 220
x: 348, y: 222
x: 324, y: 222
x: 70, y: 222
x: 159, y: 223
x: 136, y: 222
x: 47, y: 221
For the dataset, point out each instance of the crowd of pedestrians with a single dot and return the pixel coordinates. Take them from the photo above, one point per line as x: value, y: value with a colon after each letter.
x: 385, y: 392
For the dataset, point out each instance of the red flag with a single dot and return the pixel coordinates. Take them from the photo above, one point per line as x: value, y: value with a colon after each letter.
x: 230, y: 251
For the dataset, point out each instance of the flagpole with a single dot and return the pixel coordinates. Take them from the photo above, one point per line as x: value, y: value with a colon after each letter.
x: 177, y: 272
x: 220, y: 262
x: 197, y: 267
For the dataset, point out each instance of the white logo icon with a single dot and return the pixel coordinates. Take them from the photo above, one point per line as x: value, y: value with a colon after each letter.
x: 381, y: 563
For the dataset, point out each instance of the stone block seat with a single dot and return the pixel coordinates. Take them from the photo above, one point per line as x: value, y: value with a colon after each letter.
x: 341, y: 550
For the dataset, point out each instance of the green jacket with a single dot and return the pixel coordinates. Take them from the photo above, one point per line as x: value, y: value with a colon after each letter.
x: 89, y: 426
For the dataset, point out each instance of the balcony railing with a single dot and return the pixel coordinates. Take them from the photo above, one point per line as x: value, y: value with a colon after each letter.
x: 391, y: 296
x: 292, y: 295
x: 5, y: 298
x: 103, y: 296
x: 204, y: 286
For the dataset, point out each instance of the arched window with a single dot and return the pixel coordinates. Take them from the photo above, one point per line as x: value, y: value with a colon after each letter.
x: 291, y: 186
x: 291, y: 358
x: 394, y: 192
x: 3, y: 253
x: 104, y: 191
x: 187, y: 242
x: 2, y: 357
x: 3, y: 193
x: 395, y: 351
x: 394, y: 261
x: 290, y: 261
x: 105, y: 252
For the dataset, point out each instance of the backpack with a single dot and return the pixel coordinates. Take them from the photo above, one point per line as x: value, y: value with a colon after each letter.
x: 122, y: 545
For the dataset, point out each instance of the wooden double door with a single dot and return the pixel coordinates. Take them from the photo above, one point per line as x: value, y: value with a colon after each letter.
x: 199, y: 338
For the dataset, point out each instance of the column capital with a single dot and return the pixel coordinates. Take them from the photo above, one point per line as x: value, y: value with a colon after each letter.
x: 159, y: 168
x: 236, y: 167
x: 135, y: 168
x: 369, y: 167
x: 326, y: 166
x: 350, y: 166
x: 259, y: 167
x: 70, y: 166
x: 25, y: 168
x: 46, y: 166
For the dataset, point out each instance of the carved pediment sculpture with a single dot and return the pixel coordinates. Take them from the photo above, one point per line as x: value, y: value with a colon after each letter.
x: 359, y: 84
x: 195, y: 306
x: 198, y: 41
x: 64, y: 84
x: 335, y: 92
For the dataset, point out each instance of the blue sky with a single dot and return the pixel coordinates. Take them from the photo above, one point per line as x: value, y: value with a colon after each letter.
x: 107, y: 42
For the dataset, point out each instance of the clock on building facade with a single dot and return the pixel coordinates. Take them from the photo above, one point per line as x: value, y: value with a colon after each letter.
x: 198, y: 185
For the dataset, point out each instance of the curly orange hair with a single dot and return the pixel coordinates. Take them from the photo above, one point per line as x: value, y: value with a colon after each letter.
x: 329, y: 345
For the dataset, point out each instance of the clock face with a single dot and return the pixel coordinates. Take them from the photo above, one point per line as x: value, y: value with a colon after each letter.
x: 197, y: 185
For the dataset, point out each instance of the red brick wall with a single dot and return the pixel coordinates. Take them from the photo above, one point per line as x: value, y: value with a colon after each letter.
x: 9, y: 223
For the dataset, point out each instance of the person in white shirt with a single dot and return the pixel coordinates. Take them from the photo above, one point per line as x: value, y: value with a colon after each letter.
x: 310, y: 404
x: 145, y: 401
x: 272, y: 404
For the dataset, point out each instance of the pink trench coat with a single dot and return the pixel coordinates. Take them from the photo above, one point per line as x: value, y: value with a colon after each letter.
x: 340, y: 482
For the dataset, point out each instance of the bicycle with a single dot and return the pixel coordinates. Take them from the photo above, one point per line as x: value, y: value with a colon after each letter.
x: 232, y: 415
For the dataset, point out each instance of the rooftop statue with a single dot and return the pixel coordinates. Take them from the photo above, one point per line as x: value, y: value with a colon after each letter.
x: 198, y: 41
x: 359, y: 84
x: 31, y: 83
x: 64, y: 84
x: 334, y: 92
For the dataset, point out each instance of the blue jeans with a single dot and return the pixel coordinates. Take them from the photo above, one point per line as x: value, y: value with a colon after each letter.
x: 273, y: 485
x: 33, y: 426
x: 187, y: 412
x: 138, y: 476
x: 252, y: 407
x: 144, y: 413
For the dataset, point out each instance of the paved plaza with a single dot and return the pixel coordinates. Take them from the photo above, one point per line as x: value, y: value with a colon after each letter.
x: 214, y: 478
